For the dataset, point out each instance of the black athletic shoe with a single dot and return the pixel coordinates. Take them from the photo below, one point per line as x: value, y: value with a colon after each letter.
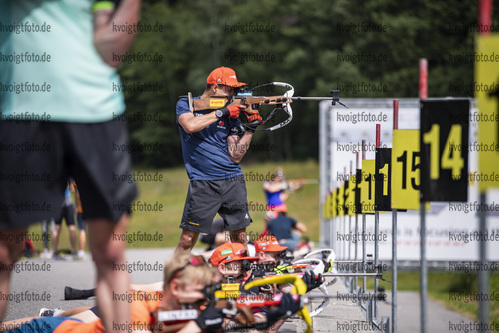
x: 70, y: 293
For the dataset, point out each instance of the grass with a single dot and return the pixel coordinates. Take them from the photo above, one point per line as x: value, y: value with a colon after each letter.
x: 171, y: 191
x: 455, y: 290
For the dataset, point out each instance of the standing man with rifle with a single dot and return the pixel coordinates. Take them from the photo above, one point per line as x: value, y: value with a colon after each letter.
x: 213, y: 144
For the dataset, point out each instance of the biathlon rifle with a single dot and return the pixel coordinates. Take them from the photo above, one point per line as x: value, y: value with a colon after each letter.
x: 244, y: 299
x: 254, y: 103
x: 229, y: 297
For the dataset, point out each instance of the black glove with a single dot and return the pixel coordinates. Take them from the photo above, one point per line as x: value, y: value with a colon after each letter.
x: 311, y: 281
x: 211, y: 318
x: 287, y: 307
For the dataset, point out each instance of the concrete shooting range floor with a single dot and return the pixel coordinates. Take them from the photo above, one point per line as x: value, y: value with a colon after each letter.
x: 339, y: 316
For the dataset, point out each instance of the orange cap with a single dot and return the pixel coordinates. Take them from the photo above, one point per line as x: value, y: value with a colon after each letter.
x: 268, y: 243
x: 225, y: 76
x: 229, y: 252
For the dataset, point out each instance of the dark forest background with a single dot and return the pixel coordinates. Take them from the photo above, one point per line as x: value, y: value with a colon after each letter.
x: 310, y: 44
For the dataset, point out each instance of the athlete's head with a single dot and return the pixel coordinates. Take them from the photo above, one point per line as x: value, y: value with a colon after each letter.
x: 267, y: 247
x: 185, y: 276
x: 223, y: 81
x: 232, y: 260
x: 279, y: 175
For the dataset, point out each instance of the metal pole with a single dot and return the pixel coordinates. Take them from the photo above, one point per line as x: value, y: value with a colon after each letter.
x: 340, y: 226
x: 394, y: 271
x: 424, y: 270
x: 423, y: 79
x: 324, y: 151
x: 356, y: 216
x: 344, y: 219
x: 357, y: 235
x: 350, y: 233
x: 484, y: 23
x: 364, y: 282
x: 302, y: 98
x: 394, y: 237
x: 376, y: 232
x: 483, y: 275
x: 351, y: 274
x: 350, y: 216
x: 332, y: 224
x: 331, y: 236
x: 423, y: 279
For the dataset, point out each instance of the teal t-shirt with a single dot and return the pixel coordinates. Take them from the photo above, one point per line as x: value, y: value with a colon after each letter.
x: 49, y: 67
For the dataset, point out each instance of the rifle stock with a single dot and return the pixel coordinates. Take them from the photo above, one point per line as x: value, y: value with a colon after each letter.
x: 252, y: 103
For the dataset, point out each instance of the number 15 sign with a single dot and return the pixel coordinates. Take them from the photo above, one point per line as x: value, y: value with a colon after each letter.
x: 444, y: 149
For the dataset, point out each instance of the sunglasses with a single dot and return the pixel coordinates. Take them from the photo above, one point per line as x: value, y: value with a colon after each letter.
x: 194, y: 261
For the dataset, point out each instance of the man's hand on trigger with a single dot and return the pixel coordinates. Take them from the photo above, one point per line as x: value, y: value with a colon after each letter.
x: 254, y: 120
x: 253, y: 116
x: 232, y: 111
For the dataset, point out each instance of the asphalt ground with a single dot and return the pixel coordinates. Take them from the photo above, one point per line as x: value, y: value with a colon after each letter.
x: 39, y: 283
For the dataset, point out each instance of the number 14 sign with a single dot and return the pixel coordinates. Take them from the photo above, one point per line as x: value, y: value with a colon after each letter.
x: 444, y: 149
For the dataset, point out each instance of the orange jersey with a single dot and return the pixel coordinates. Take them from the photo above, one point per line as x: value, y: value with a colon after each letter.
x: 79, y: 207
x: 141, y: 305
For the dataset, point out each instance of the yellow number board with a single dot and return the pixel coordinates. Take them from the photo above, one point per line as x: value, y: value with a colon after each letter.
x: 405, y: 169
x: 487, y: 94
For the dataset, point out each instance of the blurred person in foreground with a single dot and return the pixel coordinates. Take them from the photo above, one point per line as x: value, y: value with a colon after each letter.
x: 56, y: 122
x: 184, y: 280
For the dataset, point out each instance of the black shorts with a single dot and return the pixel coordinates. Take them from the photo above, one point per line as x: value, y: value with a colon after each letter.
x: 37, y: 158
x: 206, y: 198
x: 82, y: 225
x: 68, y: 214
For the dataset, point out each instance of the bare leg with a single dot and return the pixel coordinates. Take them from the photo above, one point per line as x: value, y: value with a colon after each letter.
x: 55, y: 238
x: 108, y: 255
x: 86, y: 316
x: 72, y: 312
x: 45, y: 233
x: 72, y: 237
x: 155, y: 286
x: 221, y: 238
x: 83, y: 239
x: 187, y: 241
x: 239, y: 236
x: 10, y: 250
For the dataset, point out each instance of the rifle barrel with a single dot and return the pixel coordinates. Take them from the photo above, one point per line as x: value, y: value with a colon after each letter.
x: 299, y: 98
x: 352, y: 274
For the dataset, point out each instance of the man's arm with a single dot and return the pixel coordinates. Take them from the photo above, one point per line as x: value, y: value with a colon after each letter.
x: 300, y: 227
x: 108, y: 41
x: 238, y: 146
x: 273, y: 186
x: 192, y: 124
